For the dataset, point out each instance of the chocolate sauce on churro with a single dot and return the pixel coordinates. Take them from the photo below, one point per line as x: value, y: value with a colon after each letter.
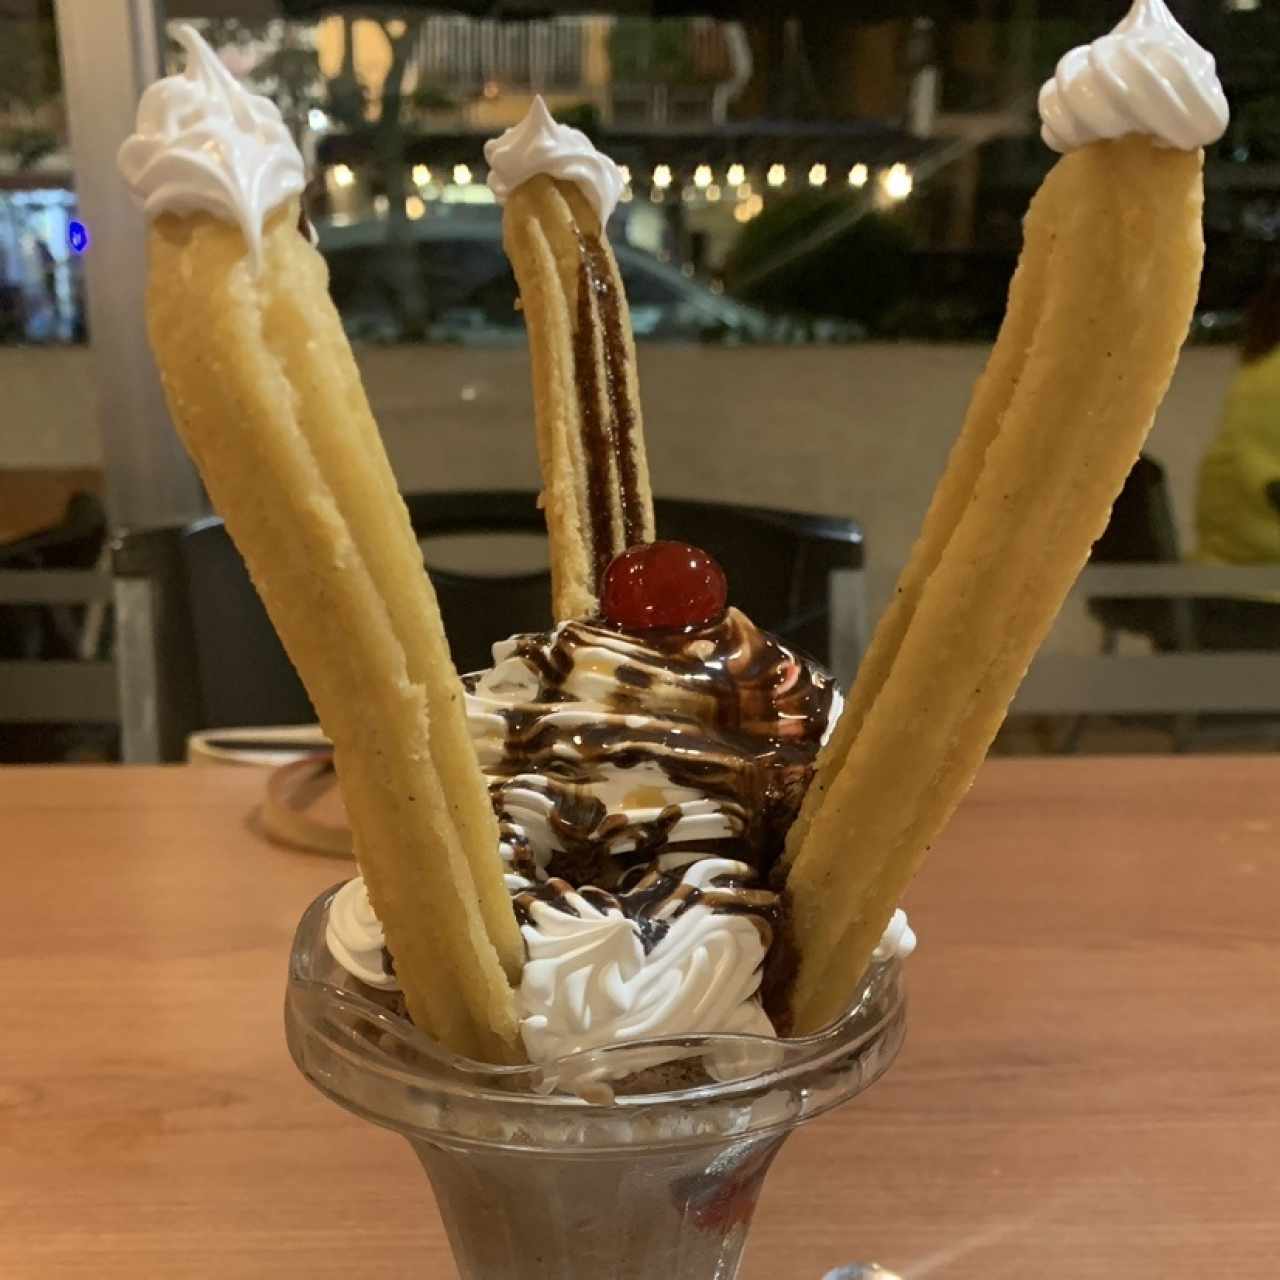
x: 608, y: 415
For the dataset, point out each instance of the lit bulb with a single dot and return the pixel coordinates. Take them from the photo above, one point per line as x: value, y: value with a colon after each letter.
x: 662, y: 177
x: 343, y: 175
x: 858, y: 175
x: 777, y: 175
x: 414, y: 208
x: 462, y: 175
x: 898, y: 182
x: 702, y: 177
x: 421, y: 174
x: 736, y: 176
x: 817, y: 175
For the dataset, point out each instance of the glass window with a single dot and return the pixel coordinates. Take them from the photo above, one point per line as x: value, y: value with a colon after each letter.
x: 839, y: 190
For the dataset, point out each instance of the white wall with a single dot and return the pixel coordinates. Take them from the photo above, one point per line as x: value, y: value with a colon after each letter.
x: 859, y: 430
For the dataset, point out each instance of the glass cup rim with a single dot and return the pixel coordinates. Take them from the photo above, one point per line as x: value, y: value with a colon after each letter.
x: 318, y: 1008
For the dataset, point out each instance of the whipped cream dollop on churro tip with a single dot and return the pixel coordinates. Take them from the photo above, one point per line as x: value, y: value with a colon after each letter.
x: 204, y: 144
x: 539, y: 145
x: 1148, y: 76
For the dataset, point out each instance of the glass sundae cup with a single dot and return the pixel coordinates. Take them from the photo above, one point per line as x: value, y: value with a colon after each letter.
x: 640, y: 1160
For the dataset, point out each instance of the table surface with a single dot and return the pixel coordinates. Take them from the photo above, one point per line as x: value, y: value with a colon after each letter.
x: 1088, y: 1089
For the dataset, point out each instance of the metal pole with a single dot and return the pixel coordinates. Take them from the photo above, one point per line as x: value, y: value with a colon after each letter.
x: 111, y: 49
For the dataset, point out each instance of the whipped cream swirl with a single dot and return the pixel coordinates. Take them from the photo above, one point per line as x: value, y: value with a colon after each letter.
x: 539, y: 145
x: 206, y: 145
x: 605, y: 749
x: 354, y: 936
x: 1147, y: 76
x: 898, y: 940
x: 644, y: 785
x: 590, y: 980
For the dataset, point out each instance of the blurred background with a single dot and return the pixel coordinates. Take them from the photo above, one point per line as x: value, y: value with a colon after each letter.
x: 821, y: 219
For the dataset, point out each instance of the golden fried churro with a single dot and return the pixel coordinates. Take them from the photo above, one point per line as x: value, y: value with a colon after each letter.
x: 1100, y: 309
x: 586, y: 397
x: 261, y: 385
x: 264, y: 391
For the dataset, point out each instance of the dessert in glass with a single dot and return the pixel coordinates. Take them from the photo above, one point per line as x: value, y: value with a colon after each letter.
x: 627, y: 910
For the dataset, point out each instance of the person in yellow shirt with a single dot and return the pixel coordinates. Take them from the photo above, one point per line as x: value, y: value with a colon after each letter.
x: 1238, y: 505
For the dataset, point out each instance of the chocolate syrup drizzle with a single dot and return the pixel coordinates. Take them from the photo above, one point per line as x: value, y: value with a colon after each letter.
x: 608, y: 416
x: 723, y: 710
x: 657, y: 900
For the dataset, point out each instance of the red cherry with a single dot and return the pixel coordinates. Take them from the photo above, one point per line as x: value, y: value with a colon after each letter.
x: 663, y: 584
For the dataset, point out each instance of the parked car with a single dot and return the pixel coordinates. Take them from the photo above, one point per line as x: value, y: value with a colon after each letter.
x: 468, y: 292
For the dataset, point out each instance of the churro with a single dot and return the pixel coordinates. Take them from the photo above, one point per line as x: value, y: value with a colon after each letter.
x: 264, y: 390
x: 558, y: 192
x: 1098, y: 311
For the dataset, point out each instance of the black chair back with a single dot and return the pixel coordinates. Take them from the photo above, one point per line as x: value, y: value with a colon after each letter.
x: 1141, y: 530
x: 31, y: 631
x: 222, y: 664
x: 778, y: 564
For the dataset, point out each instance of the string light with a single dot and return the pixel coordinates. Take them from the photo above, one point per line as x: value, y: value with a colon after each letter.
x: 858, y: 175
x: 777, y: 175
x: 736, y: 176
x: 818, y: 175
x: 343, y: 176
x: 421, y: 174
x: 702, y: 177
x: 662, y: 177
x: 462, y: 175
x: 414, y: 207
x: 898, y: 182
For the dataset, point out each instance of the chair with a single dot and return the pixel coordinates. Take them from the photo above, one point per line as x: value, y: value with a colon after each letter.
x: 202, y: 653
x: 1142, y: 530
x: 56, y: 699
x: 48, y: 631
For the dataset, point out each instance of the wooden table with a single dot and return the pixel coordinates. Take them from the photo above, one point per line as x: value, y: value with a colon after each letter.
x: 1090, y: 1086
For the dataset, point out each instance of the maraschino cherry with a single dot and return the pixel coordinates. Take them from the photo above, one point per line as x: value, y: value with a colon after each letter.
x: 663, y: 584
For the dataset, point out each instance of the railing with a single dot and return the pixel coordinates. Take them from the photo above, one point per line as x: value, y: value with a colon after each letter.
x: 1184, y: 682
